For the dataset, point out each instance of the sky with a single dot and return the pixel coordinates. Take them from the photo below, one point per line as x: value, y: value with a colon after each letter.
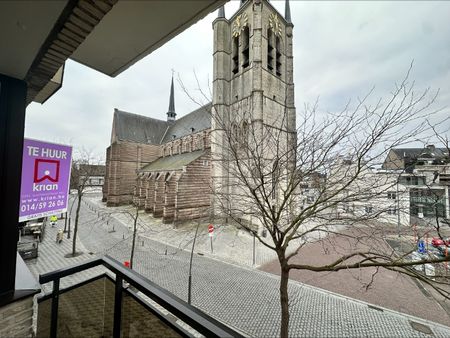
x: 341, y: 51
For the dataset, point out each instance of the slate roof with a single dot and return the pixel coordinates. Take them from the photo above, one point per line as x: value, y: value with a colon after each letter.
x: 143, y: 129
x: 138, y: 128
x: 420, y: 152
x: 175, y: 162
x: 199, y: 119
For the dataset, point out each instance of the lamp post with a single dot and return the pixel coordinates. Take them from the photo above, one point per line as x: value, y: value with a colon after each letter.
x: 190, y: 265
x: 398, y: 209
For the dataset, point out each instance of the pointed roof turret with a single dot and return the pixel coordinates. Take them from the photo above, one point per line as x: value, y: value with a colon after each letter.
x: 221, y: 12
x: 171, y: 115
x: 287, y: 12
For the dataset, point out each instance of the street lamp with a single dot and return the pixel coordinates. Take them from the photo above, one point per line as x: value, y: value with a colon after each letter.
x: 190, y: 265
x: 398, y: 209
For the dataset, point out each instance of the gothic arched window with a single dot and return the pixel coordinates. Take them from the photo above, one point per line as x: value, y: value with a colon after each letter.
x: 234, y: 137
x: 245, y: 47
x: 235, y: 54
x: 278, y: 56
x: 270, y: 49
x: 244, y: 135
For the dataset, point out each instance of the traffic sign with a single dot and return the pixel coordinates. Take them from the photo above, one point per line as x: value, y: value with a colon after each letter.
x: 211, y: 230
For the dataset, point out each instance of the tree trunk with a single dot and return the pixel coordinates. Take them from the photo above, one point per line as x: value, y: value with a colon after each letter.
x: 284, y: 301
x: 75, y: 227
x: 133, y: 244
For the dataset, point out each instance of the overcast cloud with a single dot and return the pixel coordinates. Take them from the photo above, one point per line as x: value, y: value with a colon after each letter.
x: 342, y: 50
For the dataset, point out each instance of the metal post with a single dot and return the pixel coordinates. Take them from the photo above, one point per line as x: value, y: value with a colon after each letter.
x: 212, y: 251
x: 117, y: 307
x: 398, y: 210
x: 68, y: 231
x: 65, y: 223
x: 54, y: 311
x: 190, y: 266
x: 189, y: 288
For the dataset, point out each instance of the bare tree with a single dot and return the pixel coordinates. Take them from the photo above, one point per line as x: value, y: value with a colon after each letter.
x: 84, y: 168
x: 299, y: 185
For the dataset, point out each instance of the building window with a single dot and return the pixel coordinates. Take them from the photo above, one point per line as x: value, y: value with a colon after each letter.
x: 245, y: 47
x: 392, y: 211
x: 244, y: 135
x: 235, y: 55
x: 234, y: 137
x: 270, y: 49
x: 392, y: 196
x: 278, y: 56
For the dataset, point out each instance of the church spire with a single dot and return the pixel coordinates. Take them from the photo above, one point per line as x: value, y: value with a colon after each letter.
x: 221, y: 12
x: 171, y: 115
x: 287, y: 12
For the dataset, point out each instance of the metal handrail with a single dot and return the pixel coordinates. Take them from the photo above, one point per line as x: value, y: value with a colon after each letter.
x: 192, y: 316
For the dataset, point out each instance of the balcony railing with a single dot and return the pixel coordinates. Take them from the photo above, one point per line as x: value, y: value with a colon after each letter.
x: 427, y: 200
x: 113, y: 306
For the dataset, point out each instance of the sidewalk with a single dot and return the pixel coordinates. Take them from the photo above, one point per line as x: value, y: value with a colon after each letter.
x: 228, y: 243
x: 53, y: 256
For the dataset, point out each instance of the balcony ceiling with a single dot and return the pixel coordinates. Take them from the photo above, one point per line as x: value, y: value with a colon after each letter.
x: 37, y: 37
x: 24, y: 27
x: 133, y: 29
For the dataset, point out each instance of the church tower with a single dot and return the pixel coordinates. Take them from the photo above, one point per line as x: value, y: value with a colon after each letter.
x: 252, y: 82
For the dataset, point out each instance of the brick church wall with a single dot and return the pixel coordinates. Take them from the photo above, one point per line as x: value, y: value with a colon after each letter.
x: 170, y: 197
x: 194, y: 189
x: 150, y: 193
x: 158, y: 206
x: 124, y: 159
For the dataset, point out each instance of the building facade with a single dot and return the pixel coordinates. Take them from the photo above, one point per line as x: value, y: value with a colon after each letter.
x: 175, y: 169
x: 411, y: 188
x: 425, y: 173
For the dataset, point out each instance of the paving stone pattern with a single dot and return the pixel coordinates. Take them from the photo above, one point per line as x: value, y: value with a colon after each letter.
x: 243, y: 298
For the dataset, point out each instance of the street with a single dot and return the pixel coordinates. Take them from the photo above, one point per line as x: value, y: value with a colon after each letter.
x: 244, y: 298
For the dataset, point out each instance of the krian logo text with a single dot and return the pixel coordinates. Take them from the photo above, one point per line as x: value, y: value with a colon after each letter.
x: 46, y: 170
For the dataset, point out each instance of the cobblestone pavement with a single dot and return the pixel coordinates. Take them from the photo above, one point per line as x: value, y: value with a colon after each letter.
x: 53, y: 256
x: 389, y: 289
x: 243, y: 298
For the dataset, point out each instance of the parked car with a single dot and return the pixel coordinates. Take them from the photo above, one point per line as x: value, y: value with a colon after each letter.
x: 436, y: 241
x: 443, y: 250
x: 29, y: 249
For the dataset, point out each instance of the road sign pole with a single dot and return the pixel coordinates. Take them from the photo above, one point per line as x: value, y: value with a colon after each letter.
x: 254, y: 243
x: 212, y: 251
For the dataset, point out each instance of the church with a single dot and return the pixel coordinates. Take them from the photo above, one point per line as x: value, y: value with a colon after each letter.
x: 174, y: 169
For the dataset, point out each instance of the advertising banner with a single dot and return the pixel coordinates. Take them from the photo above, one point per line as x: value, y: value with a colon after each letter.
x: 45, y: 179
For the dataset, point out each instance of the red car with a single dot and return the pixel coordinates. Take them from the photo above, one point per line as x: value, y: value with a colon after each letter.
x: 436, y: 241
